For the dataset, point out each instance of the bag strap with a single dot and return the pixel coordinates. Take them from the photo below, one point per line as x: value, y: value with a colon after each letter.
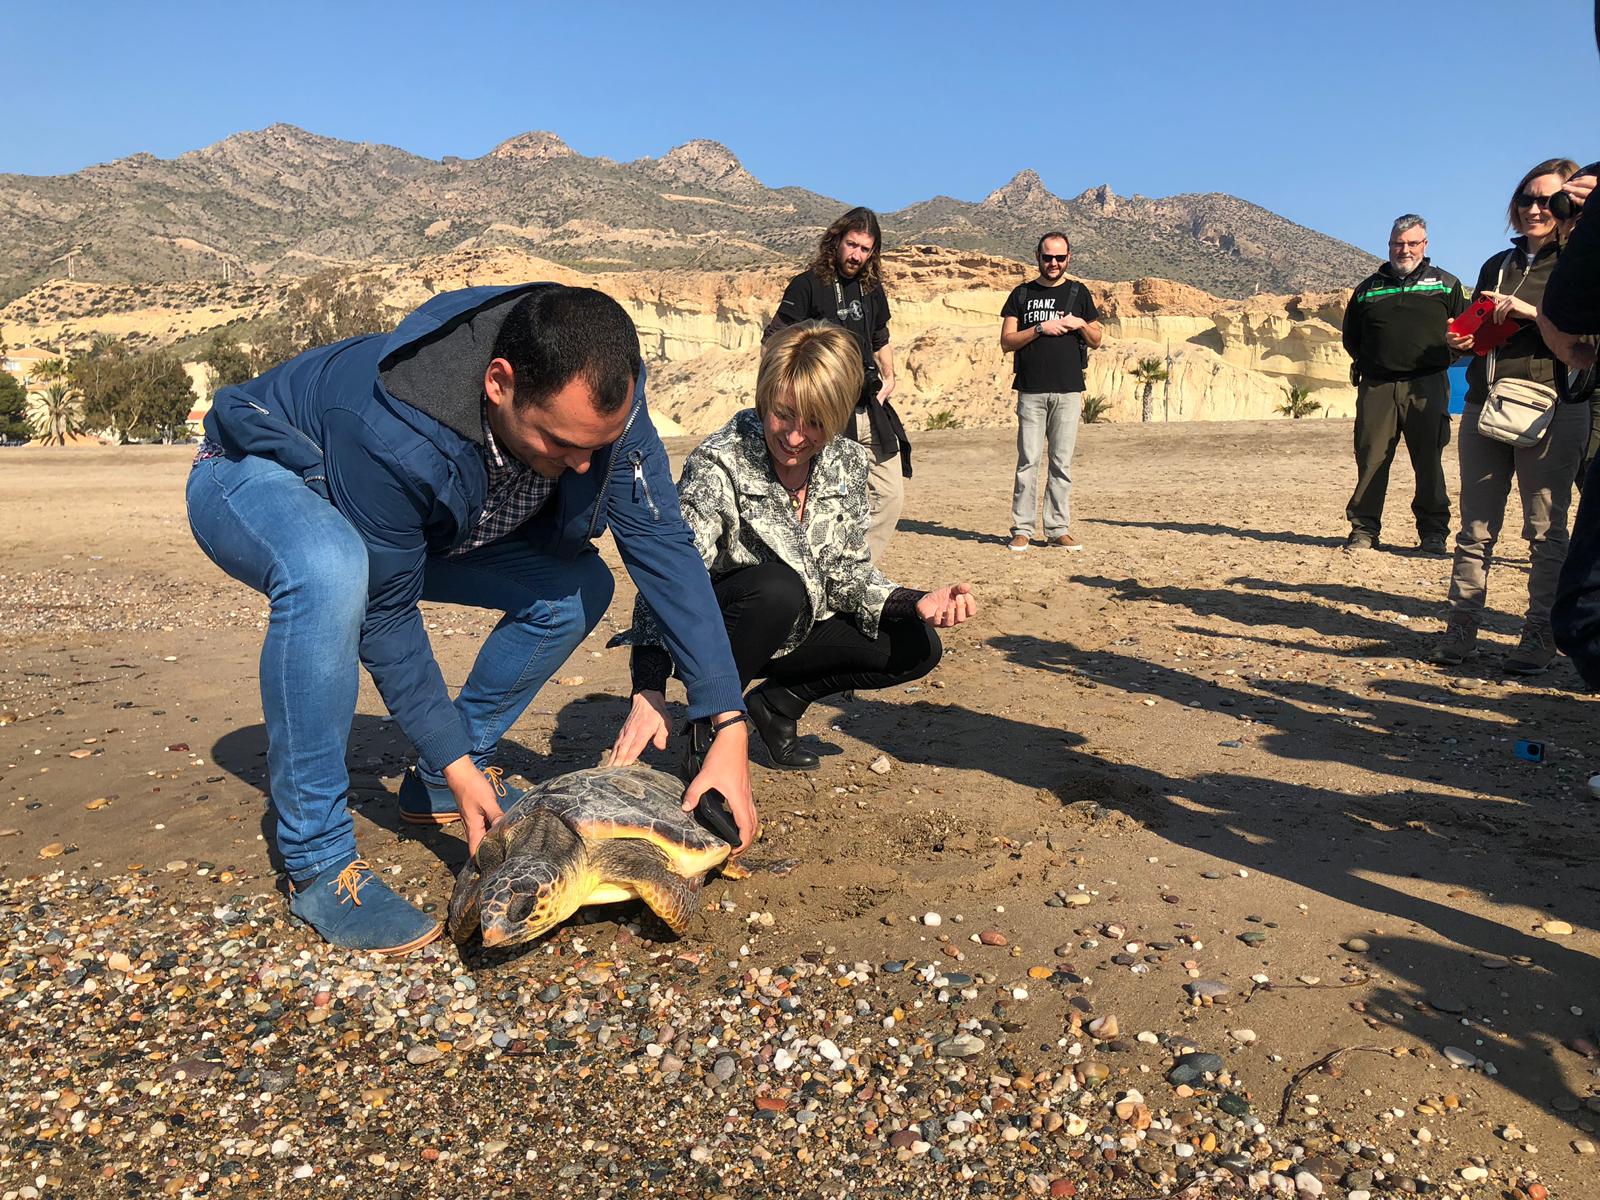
x: 1499, y: 278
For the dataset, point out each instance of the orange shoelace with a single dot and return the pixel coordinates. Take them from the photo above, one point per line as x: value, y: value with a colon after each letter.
x: 493, y: 774
x: 352, y: 881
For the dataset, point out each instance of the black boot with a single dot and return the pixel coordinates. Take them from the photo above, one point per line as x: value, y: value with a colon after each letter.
x: 774, y: 711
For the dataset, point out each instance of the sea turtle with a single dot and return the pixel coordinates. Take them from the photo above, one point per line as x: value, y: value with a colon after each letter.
x: 590, y: 837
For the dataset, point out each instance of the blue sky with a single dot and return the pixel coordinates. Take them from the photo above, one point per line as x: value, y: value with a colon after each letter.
x: 1339, y: 116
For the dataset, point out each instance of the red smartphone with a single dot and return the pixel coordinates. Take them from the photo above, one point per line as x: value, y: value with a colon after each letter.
x: 1478, y: 321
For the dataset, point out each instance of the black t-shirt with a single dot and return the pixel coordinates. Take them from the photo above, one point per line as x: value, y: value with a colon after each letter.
x: 1050, y: 364
x: 809, y: 298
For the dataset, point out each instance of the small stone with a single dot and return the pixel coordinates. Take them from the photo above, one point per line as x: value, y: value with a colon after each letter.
x: 880, y: 765
x: 723, y: 1069
x: 1557, y: 928
x: 421, y: 1056
x: 53, y: 850
x: 7, y: 717
x: 97, y: 804
x: 1104, y: 1028
x: 963, y: 1045
x: 993, y: 937
x: 1460, y: 1057
x: 932, y: 918
x: 1078, y: 899
x: 1253, y: 937
x: 1583, y: 1146
x: 1243, y: 1036
x: 1474, y: 1174
x: 1206, y: 989
x: 1357, y: 946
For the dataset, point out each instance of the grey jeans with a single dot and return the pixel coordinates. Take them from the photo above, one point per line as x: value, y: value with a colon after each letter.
x: 1544, y: 474
x: 1041, y: 417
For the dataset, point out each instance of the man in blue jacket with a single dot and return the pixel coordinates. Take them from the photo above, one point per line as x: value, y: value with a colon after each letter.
x: 472, y: 456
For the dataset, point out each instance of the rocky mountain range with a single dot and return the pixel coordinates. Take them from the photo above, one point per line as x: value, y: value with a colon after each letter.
x: 284, y: 202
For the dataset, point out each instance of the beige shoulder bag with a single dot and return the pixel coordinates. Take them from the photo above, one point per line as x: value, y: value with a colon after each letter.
x: 1516, y: 411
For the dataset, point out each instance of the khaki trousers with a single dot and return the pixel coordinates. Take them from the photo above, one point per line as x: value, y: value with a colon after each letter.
x: 886, y: 490
x: 1544, y: 476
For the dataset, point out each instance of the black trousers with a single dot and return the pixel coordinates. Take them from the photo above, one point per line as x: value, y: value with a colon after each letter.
x: 1419, y: 411
x: 760, y: 606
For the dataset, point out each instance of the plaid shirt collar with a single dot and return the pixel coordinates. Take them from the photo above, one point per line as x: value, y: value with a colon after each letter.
x: 515, y: 492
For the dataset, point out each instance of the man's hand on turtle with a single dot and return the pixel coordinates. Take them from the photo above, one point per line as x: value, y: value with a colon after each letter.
x: 475, y: 797
x: 646, y: 726
x: 726, y: 769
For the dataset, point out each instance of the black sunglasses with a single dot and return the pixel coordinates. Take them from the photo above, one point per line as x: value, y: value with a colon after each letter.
x: 1524, y: 200
x: 1055, y: 257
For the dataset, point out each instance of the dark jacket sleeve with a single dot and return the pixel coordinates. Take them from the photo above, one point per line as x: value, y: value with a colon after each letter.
x: 390, y: 509
x: 660, y: 555
x: 1572, y: 297
x: 1352, y: 326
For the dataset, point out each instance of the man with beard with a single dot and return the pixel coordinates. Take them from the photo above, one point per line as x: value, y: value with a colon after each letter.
x: 1049, y: 324
x: 1394, y: 332
x: 844, y: 286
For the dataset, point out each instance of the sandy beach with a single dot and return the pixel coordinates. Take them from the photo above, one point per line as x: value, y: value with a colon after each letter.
x: 1208, y: 739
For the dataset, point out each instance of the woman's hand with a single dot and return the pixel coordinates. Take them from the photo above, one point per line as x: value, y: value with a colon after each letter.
x: 646, y: 726
x: 1509, y: 306
x: 947, y: 606
x: 1461, y: 343
x: 727, y: 770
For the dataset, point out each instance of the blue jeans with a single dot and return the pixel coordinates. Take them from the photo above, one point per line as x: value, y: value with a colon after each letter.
x: 263, y: 526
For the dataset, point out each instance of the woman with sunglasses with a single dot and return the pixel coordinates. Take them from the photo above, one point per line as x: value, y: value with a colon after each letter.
x: 1515, y: 280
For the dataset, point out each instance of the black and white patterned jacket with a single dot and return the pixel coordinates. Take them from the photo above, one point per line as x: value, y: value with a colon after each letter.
x: 740, y: 516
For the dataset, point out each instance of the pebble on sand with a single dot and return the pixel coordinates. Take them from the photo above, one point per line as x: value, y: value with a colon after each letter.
x: 1557, y: 928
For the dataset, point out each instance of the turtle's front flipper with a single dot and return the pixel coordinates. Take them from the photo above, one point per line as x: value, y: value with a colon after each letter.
x: 639, y: 865
x: 463, y: 919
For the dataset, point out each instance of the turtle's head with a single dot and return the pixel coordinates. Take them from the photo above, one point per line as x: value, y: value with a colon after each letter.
x: 531, y: 872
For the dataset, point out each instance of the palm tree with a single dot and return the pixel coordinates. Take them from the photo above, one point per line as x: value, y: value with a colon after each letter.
x: 57, y: 417
x: 1149, y: 372
x: 1298, y: 403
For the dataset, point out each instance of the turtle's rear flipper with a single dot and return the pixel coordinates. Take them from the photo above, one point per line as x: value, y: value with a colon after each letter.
x: 642, y: 867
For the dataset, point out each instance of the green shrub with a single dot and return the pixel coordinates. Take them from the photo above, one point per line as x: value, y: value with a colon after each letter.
x: 943, y: 419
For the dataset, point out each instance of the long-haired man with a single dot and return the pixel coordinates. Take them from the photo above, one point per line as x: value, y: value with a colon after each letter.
x: 844, y: 285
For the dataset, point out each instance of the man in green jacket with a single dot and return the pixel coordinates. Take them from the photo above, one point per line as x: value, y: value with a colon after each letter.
x: 1394, y: 332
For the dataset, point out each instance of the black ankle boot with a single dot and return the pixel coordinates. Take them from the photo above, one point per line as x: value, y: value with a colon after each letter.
x: 766, y: 707
x: 696, y: 745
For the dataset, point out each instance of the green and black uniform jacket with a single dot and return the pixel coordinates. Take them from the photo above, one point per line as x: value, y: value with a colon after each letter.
x: 1394, y: 327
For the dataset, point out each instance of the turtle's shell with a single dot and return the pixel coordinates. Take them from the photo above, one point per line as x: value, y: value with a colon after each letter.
x: 626, y: 802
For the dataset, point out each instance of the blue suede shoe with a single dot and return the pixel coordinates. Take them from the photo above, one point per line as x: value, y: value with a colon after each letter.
x: 350, y: 907
x: 423, y: 804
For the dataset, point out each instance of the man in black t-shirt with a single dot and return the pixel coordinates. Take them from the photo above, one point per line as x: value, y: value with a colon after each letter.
x: 1049, y: 324
x: 844, y: 286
